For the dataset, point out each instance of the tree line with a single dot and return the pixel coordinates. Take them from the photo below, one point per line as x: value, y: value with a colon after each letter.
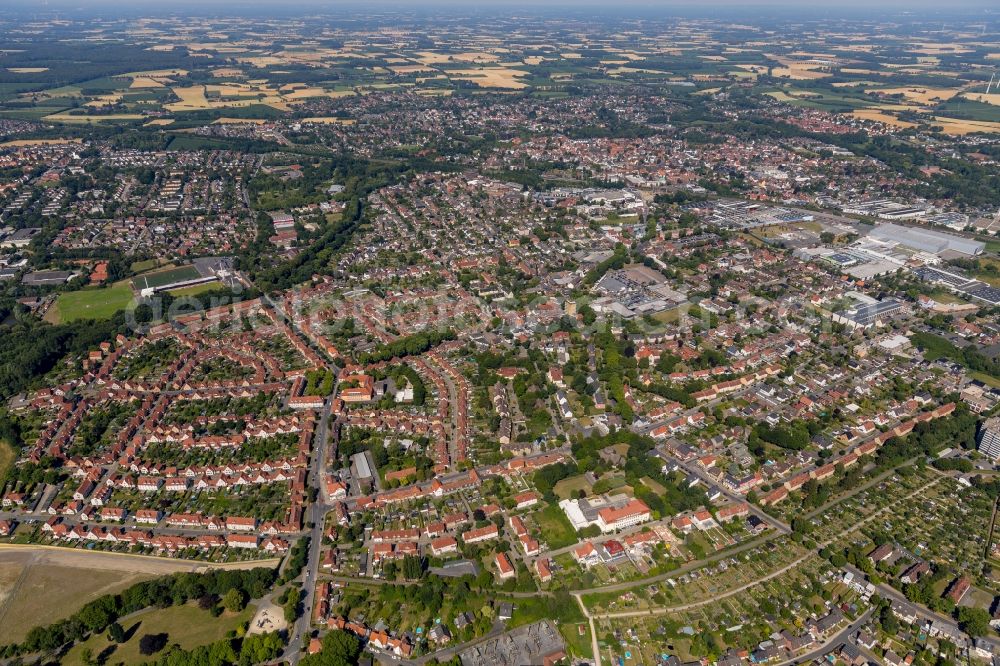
x: 175, y: 590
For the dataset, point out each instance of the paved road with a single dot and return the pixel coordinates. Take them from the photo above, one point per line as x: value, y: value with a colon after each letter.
x: 697, y: 470
x: 830, y: 643
x: 922, y: 612
x: 497, y: 629
x: 315, y: 514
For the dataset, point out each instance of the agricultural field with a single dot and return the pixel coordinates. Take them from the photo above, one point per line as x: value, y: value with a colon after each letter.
x: 234, y: 77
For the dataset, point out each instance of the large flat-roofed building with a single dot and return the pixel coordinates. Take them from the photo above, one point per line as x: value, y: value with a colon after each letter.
x: 585, y: 512
x: 988, y: 438
x: 869, y: 314
x: 925, y: 239
x: 20, y: 237
x: 46, y: 278
x: 360, y: 461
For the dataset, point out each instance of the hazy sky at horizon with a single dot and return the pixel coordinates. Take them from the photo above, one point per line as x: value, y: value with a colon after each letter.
x: 793, y: 6
x: 959, y: 13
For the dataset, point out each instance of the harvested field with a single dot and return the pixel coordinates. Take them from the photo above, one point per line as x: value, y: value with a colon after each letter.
x: 800, y: 70
x: 492, y: 77
x: 882, y: 117
x: 148, y: 82
x: 328, y: 120
x: 436, y: 58
x: 991, y: 98
x: 960, y: 127
x: 925, y: 96
x: 71, y: 119
x: 36, y: 142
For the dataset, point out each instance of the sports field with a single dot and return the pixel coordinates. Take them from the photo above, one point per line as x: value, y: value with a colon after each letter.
x: 97, y: 303
x: 158, y: 279
x: 196, y: 289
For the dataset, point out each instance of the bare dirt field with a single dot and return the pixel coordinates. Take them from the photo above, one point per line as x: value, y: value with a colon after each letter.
x: 30, y: 576
x: 269, y: 618
x: 27, y: 588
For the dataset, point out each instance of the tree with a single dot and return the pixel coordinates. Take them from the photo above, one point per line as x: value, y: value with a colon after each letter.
x: 292, y: 604
x: 260, y: 648
x: 339, y: 649
x: 801, y: 525
x: 116, y: 633
x: 888, y: 620
x: 234, y: 600
x: 973, y: 621
x: 412, y: 567
x: 98, y: 614
x: 152, y: 643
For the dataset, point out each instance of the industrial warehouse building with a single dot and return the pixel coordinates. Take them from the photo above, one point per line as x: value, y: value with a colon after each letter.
x: 925, y: 240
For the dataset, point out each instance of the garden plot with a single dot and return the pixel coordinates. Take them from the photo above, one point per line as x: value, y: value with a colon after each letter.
x: 701, y: 585
x: 947, y: 524
x: 148, y: 361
